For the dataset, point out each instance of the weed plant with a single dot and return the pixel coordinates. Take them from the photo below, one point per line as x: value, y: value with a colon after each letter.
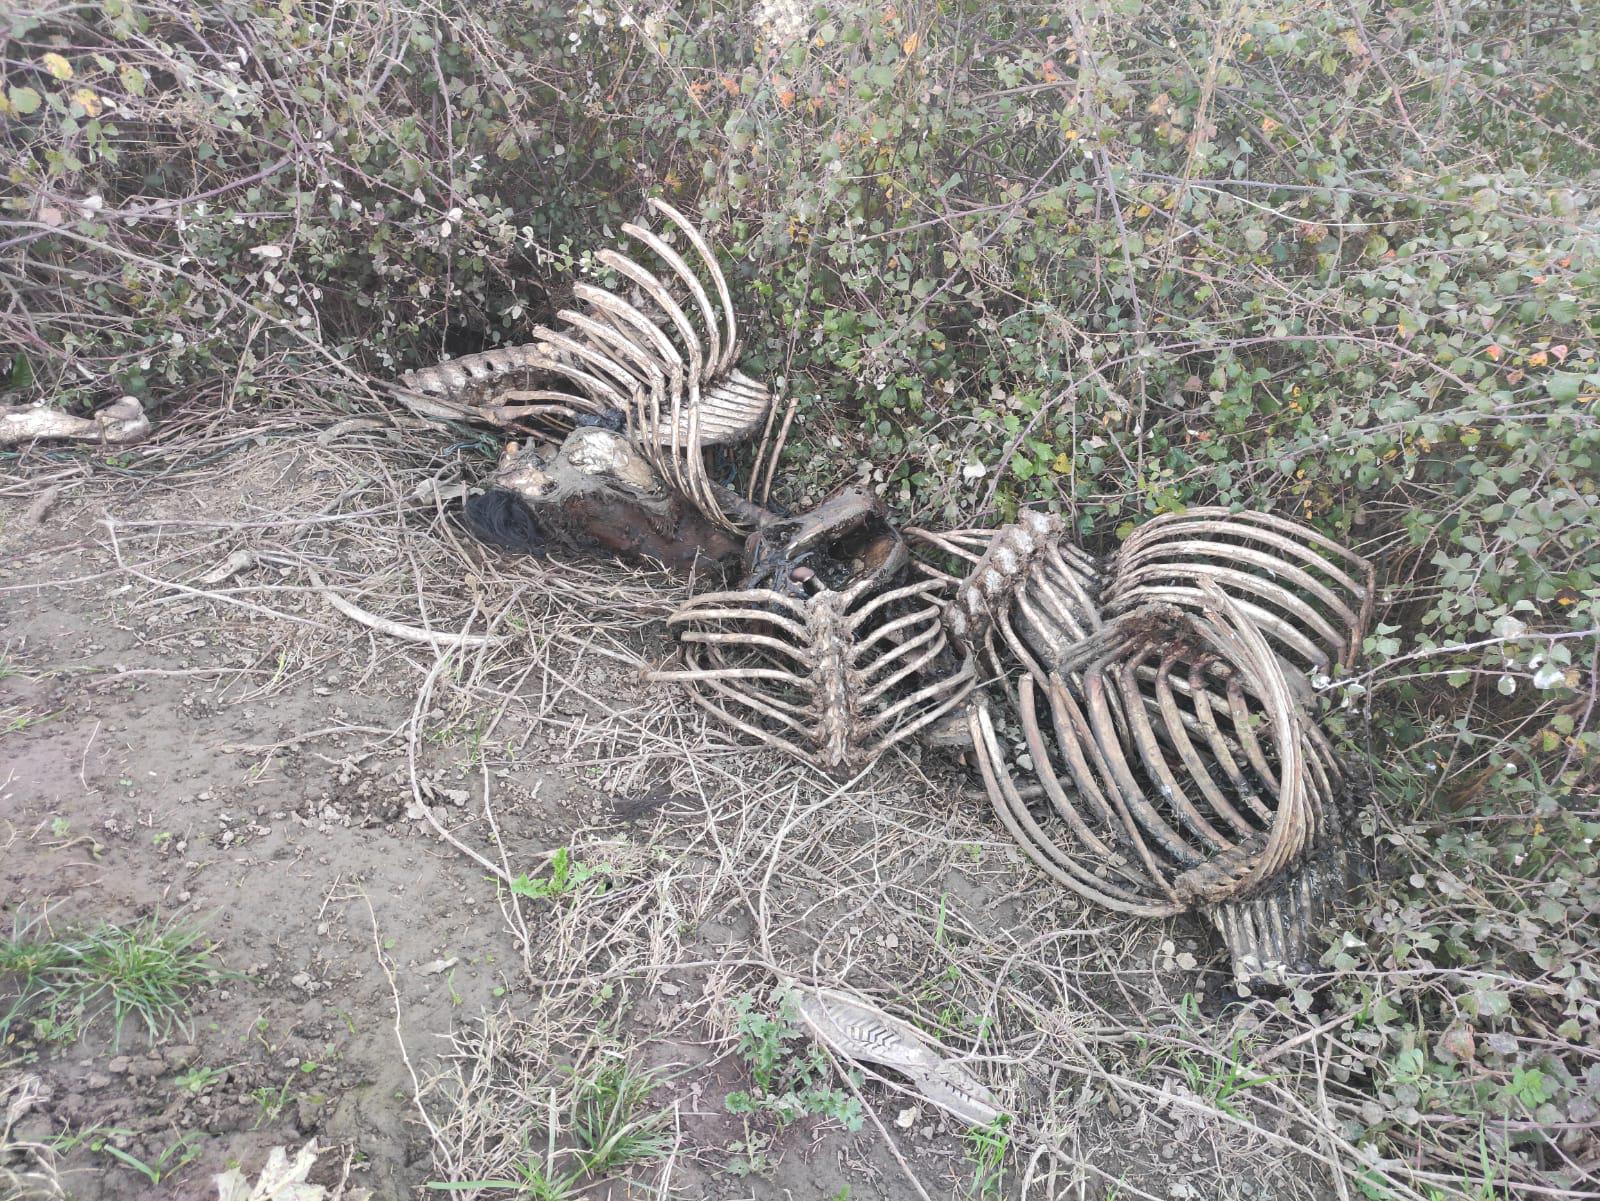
x: 786, y: 1066
x: 147, y: 973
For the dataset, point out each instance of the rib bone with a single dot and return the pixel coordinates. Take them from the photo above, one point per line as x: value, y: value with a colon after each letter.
x: 835, y: 678
x: 1312, y: 597
x: 659, y: 364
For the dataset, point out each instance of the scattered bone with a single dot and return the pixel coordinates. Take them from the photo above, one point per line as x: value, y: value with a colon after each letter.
x: 239, y: 560
x: 118, y: 424
x: 846, y: 540
x: 393, y: 628
x: 285, y: 1179
x: 351, y: 425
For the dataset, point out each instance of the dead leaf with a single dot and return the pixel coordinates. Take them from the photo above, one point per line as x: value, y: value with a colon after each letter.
x: 283, y: 1179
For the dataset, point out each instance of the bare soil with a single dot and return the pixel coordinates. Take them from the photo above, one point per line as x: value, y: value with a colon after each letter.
x: 240, y: 755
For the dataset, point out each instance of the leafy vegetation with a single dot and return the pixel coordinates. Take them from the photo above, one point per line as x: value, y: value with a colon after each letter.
x: 786, y: 1066
x: 566, y: 874
x: 1222, y: 1076
x: 1335, y: 259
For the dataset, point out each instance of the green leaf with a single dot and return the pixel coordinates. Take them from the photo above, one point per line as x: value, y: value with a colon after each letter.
x: 1564, y: 386
x: 1255, y: 237
x: 25, y: 100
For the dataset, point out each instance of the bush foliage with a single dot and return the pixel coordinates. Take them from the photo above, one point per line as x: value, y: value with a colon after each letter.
x: 1327, y: 256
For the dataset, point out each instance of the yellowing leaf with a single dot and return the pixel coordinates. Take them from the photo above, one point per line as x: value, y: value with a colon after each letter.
x: 88, y: 101
x: 911, y: 43
x: 132, y: 80
x: 57, y: 65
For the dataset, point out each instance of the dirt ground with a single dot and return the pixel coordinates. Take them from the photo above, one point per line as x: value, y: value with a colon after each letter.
x: 189, y: 729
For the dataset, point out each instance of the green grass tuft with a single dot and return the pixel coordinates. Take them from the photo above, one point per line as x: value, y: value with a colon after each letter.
x: 148, y: 973
x: 612, y: 1121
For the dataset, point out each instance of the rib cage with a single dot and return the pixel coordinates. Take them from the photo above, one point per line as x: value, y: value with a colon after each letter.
x: 1156, y: 696
x: 1160, y: 709
x: 836, y: 678
x: 661, y: 362
x: 1310, y: 596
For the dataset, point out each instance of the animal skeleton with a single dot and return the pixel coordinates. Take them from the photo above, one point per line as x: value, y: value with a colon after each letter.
x: 1269, y: 933
x: 1157, y: 698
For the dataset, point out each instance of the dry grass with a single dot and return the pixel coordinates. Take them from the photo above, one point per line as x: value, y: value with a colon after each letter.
x: 27, y: 1167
